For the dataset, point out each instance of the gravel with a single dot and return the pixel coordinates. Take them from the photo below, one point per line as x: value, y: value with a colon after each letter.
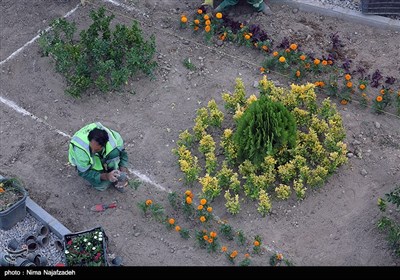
x: 29, y: 225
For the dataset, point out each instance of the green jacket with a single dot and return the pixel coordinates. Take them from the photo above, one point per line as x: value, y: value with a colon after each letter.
x: 90, y: 165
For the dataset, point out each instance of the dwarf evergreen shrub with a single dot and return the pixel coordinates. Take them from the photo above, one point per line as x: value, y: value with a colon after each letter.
x: 264, y: 129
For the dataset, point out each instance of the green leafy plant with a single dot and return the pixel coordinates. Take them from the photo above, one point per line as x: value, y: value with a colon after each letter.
x: 189, y: 64
x: 263, y: 129
x: 103, y: 58
x: 389, y: 225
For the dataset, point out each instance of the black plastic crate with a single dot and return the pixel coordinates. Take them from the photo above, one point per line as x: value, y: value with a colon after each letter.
x: 79, y: 246
x: 380, y: 7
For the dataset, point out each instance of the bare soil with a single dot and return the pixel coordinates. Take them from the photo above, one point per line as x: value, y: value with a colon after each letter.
x: 333, y: 226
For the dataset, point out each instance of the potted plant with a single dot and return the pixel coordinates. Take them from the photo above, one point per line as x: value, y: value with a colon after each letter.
x: 12, y: 202
x: 86, y: 248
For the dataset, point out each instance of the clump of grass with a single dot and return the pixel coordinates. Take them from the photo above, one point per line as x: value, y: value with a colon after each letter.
x: 189, y: 64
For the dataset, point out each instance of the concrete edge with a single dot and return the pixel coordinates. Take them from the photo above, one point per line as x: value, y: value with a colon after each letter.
x: 43, y: 216
x: 341, y: 13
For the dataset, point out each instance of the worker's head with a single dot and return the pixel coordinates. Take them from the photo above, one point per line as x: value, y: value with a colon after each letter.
x: 98, y: 138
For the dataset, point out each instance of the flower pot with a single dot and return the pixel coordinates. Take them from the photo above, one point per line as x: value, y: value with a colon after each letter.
x: 13, y: 203
x: 86, y: 248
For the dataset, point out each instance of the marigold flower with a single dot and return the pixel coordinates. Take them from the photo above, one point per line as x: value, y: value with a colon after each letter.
x: 317, y: 61
x: 293, y: 47
x: 324, y: 62
x: 303, y: 57
x: 256, y: 243
x: 207, y: 28
x: 265, y: 48
x: 307, y: 65
x: 349, y: 84
x: 379, y: 98
x: 196, y: 21
x: 262, y: 70
x: 233, y: 254
x: 362, y: 86
x: 213, y: 234
x: 205, y: 237
x: 202, y: 219
x: 184, y: 19
x: 207, y: 22
x: 223, y: 248
x: 218, y: 15
x: 343, y: 101
x: 287, y: 50
x: 178, y: 228
x: 247, y: 255
x: 210, y: 240
x: 282, y: 59
x: 199, y: 11
x: 241, y: 25
x: 347, y: 77
x: 247, y: 37
x: 382, y: 91
x: 188, y: 200
x: 200, y: 207
x: 298, y: 73
x: 203, y: 201
x: 149, y: 202
x: 330, y: 62
x: 279, y: 257
x: 2, y: 190
x: 206, y: 17
x: 188, y: 192
x: 209, y: 209
x: 171, y: 221
x: 275, y: 53
x: 196, y: 28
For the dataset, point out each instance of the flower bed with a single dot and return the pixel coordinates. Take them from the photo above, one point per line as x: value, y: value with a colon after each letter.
x: 86, y: 248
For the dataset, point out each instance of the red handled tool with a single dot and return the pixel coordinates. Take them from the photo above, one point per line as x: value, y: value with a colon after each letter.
x: 102, y: 207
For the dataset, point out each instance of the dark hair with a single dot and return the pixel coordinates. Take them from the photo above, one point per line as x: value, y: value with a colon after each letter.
x: 98, y: 135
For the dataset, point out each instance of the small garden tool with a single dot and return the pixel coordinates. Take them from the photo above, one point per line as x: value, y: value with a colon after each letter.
x: 103, y: 207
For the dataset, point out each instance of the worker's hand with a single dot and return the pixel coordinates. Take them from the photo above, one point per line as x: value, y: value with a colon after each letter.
x: 113, y: 175
x: 123, y: 169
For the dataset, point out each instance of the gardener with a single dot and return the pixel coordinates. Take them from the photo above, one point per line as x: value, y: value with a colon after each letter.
x: 258, y: 5
x: 98, y: 154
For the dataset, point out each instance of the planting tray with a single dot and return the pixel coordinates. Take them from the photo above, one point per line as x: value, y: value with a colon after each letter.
x: 79, y: 248
x: 17, y: 211
x: 380, y: 7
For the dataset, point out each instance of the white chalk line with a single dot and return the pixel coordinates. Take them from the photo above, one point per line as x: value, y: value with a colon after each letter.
x: 35, y: 38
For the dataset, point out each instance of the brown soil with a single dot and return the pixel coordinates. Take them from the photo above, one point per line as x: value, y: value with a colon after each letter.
x: 335, y: 225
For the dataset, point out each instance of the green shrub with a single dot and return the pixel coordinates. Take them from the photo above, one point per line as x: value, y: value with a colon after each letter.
x: 264, y: 129
x: 102, y: 57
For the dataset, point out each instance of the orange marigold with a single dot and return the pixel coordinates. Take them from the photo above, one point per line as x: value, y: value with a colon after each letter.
x: 195, y: 28
x: 203, y: 201
x: 379, y: 98
x: 178, y: 228
x: 282, y: 59
x: 262, y: 70
x: 382, y: 91
x: 362, y: 86
x: 293, y: 47
x: 171, y: 221
x: 202, y: 219
x: 324, y: 62
x: 149, y: 202
x: 184, y: 19
x: 247, y: 255
x: 196, y: 21
x: 205, y: 237
x: 2, y: 190
x: 200, y: 207
x: 188, y: 200
x: 218, y: 15
x: 256, y: 243
x: 347, y: 77
x: 199, y: 11
x: 265, y: 48
x: 343, y: 101
x: 298, y: 73
x: 317, y: 61
x: 207, y: 28
x: 247, y: 37
x: 233, y: 254
x: 303, y: 57
x: 188, y: 192
x: 209, y: 209
x: 213, y: 234
x: 330, y: 62
x: 349, y: 84
x: 223, y: 248
x: 206, y: 17
x: 279, y: 257
x: 275, y: 53
x: 207, y: 22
